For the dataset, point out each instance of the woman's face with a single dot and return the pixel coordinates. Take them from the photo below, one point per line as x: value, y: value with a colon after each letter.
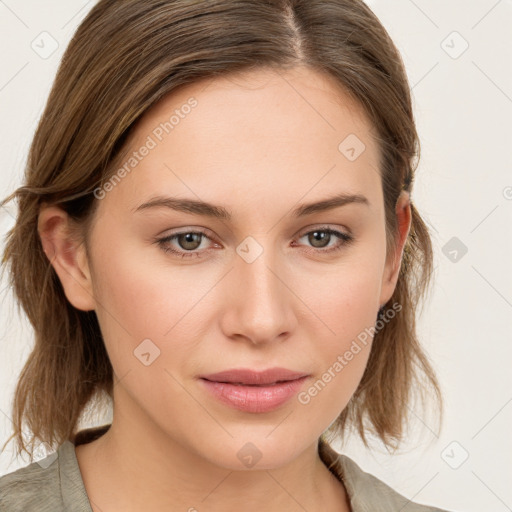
x: 265, y: 285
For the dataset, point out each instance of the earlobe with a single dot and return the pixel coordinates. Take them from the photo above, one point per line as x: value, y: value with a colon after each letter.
x: 67, y: 256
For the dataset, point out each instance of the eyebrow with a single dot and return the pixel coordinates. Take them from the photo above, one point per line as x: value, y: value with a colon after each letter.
x: 210, y: 210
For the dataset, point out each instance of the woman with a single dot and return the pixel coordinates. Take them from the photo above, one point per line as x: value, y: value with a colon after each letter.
x: 216, y: 233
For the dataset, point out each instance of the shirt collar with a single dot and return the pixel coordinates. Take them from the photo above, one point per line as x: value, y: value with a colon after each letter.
x: 366, y: 493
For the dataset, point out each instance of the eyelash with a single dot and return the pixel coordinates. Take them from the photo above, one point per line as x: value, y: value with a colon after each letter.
x: 344, y: 238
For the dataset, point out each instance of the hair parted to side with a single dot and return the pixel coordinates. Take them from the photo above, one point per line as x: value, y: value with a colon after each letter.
x: 124, y: 57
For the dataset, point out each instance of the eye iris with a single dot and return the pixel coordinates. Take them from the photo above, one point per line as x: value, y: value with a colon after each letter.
x: 190, y: 238
x: 319, y: 236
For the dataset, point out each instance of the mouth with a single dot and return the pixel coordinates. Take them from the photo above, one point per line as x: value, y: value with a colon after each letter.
x: 248, y: 377
x: 252, y: 385
x: 254, y: 392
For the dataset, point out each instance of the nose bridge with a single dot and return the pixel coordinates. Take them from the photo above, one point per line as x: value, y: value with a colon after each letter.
x: 258, y: 277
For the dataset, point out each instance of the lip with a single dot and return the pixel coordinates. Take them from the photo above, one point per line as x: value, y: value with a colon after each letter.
x: 251, y: 391
x: 252, y: 377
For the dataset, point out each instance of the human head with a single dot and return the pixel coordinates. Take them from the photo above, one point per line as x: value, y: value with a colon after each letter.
x: 134, y: 54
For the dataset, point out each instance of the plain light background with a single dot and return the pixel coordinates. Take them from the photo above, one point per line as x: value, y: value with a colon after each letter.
x: 458, y: 56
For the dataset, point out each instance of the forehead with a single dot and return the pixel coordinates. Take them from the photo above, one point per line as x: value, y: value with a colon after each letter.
x: 249, y: 135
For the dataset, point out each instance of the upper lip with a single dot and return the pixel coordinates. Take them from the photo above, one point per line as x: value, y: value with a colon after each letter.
x: 252, y: 377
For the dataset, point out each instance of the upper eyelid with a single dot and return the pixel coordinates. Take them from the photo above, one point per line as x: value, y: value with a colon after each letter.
x: 324, y: 227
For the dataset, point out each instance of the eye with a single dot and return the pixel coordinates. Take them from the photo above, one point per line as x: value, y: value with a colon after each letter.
x: 320, y: 237
x: 189, y: 242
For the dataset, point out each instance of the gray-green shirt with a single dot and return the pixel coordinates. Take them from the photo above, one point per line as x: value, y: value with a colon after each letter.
x: 54, y: 484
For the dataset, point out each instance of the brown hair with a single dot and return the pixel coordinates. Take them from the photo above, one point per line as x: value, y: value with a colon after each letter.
x: 123, y: 58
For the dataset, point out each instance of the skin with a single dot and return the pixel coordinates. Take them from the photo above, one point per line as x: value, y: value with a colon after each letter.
x: 257, y: 144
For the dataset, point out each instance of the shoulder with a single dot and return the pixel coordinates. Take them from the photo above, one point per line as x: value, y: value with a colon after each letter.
x: 365, y: 491
x: 369, y: 492
x: 48, y: 485
x: 33, y: 487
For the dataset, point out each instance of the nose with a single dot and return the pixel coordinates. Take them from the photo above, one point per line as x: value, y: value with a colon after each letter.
x: 259, y: 305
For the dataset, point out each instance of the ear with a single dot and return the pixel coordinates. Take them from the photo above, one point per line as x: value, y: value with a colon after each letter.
x: 394, y: 259
x: 66, y: 255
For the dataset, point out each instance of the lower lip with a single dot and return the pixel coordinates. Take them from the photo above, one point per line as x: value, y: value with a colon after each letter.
x: 254, y: 398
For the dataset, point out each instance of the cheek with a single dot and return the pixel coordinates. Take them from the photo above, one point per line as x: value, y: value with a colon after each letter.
x: 347, y: 304
x: 140, y: 297
x: 346, y: 298
x: 342, y: 361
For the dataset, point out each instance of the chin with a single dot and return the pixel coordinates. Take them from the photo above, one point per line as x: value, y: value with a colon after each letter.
x: 254, y: 450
